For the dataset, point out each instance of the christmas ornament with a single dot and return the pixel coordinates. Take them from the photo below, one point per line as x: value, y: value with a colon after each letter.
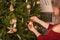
x: 13, y: 21
x: 38, y: 2
x: 30, y: 23
x: 28, y: 6
x: 11, y: 8
x: 12, y: 30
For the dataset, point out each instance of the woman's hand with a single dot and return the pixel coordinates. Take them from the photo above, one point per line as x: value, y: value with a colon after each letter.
x: 34, y: 19
x: 31, y: 26
x: 44, y: 24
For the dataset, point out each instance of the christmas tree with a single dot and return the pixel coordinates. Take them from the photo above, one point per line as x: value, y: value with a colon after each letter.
x: 16, y: 14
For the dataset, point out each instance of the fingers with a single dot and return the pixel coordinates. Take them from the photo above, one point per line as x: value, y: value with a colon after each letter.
x: 30, y: 24
x: 33, y: 18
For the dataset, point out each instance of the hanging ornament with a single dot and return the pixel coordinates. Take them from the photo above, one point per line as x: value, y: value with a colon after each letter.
x: 13, y: 21
x: 28, y: 6
x: 30, y: 23
x: 12, y: 30
x: 11, y: 8
x: 38, y: 2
